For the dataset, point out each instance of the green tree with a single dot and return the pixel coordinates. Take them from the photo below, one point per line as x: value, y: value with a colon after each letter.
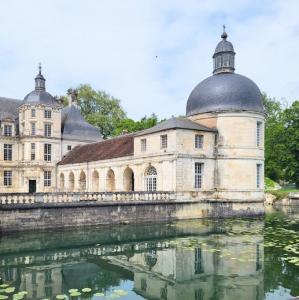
x: 100, y: 109
x: 129, y: 125
x: 275, y: 148
x: 291, y: 139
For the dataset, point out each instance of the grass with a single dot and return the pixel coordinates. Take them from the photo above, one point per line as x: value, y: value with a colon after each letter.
x: 282, y: 193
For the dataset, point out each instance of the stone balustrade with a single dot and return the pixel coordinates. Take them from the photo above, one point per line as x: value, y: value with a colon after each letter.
x: 62, y: 197
x: 294, y: 195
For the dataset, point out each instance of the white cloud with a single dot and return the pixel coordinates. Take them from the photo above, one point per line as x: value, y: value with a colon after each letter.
x: 113, y: 46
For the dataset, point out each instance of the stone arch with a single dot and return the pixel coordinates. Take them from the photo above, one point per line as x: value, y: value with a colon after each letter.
x: 95, y: 181
x: 71, y: 182
x: 150, y: 177
x: 110, y: 181
x: 129, y: 180
x: 61, y: 182
x: 82, y: 181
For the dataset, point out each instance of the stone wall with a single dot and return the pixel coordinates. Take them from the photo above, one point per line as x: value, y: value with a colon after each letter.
x: 60, y: 215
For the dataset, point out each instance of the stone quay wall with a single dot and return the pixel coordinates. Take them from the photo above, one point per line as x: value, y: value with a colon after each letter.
x: 61, y: 210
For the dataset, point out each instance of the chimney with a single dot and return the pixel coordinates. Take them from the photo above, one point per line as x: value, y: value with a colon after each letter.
x: 72, y: 97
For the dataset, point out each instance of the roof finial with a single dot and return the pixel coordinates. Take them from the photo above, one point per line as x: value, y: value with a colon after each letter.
x: 224, y: 34
x: 39, y: 68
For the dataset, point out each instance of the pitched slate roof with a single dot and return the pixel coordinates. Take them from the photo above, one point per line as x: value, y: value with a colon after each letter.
x: 176, y: 123
x: 108, y: 149
x: 9, y: 107
x: 74, y: 126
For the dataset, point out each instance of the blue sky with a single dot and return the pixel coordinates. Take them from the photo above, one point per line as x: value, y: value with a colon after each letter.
x: 113, y: 46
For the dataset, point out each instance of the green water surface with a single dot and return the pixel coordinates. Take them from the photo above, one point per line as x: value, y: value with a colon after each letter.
x: 197, y: 260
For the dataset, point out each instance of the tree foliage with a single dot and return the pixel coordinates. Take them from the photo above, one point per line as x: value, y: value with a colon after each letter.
x: 100, y: 109
x: 281, y: 141
x: 129, y: 125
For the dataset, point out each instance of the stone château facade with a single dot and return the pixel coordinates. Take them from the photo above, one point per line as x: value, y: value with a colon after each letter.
x: 215, y: 152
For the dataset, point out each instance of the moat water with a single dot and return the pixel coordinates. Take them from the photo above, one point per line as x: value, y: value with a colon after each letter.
x: 190, y: 260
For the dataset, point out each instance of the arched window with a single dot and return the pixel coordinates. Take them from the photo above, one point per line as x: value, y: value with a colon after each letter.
x: 95, y: 181
x: 82, y: 182
x: 61, y: 181
x: 71, y: 182
x: 151, y: 179
x: 128, y: 180
x: 110, y: 181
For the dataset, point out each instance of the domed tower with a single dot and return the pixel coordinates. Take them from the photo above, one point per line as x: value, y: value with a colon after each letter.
x: 232, y: 104
x: 40, y: 136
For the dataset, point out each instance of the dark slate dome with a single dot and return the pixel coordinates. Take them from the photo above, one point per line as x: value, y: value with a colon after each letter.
x: 225, y: 90
x: 39, y: 94
x: 40, y: 97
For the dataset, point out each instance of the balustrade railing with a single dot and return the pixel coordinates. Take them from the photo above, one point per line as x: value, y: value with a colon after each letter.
x: 64, y: 197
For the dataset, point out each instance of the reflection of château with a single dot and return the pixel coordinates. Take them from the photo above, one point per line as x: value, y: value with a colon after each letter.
x: 203, y: 264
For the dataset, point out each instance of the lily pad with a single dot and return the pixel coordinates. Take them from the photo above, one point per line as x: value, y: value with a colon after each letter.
x: 9, y: 290
x: 61, y: 297
x: 99, y: 294
x: 75, y: 294
x: 86, y: 290
x: 73, y: 290
x: 2, y: 297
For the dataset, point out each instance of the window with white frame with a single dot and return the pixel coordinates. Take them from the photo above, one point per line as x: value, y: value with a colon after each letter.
x: 7, y: 130
x: 47, y: 152
x: 151, y: 179
x: 198, y: 175
x: 7, y: 152
x: 258, y: 175
x: 258, y: 133
x: 48, y: 129
x: 48, y: 114
x: 198, y: 141
x: 47, y: 178
x: 143, y: 145
x: 33, y: 113
x: 32, y: 151
x: 33, y: 129
x: 7, y: 178
x: 163, y: 141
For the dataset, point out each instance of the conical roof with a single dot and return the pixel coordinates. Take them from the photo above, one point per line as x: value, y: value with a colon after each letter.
x: 74, y: 126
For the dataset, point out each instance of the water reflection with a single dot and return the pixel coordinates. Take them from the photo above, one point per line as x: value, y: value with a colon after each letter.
x: 184, y: 260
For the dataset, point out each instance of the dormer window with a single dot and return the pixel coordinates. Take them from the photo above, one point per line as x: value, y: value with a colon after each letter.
x: 33, y: 113
x: 163, y: 141
x: 8, y: 130
x: 48, y: 114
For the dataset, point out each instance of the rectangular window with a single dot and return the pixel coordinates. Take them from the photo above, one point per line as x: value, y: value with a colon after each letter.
x: 7, y: 178
x: 48, y: 114
x: 198, y: 175
x: 33, y: 129
x: 69, y: 147
x: 48, y: 129
x: 32, y: 151
x: 8, y: 130
x: 258, y: 175
x: 198, y: 141
x: 47, y: 178
x: 33, y: 113
x: 163, y: 141
x: 143, y: 145
x: 7, y: 152
x: 258, y: 133
x: 47, y: 152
